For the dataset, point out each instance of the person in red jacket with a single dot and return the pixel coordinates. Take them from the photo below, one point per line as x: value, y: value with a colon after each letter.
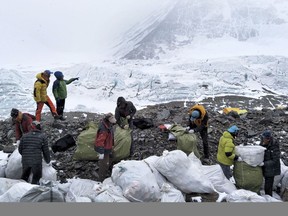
x: 22, y: 123
x: 104, y: 143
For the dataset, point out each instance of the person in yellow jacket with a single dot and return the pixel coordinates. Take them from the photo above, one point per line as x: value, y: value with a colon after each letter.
x: 40, y: 94
x: 226, y: 150
x: 198, y: 122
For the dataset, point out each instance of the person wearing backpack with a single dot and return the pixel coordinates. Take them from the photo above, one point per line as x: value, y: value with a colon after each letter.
x: 40, y: 94
x: 59, y: 90
x: 104, y: 142
x: 22, y: 123
x: 198, y: 122
x: 32, y: 146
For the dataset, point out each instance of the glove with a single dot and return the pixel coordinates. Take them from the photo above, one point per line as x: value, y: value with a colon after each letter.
x: 77, y: 78
x: 236, y: 158
x: 239, y: 159
x: 17, y: 142
x: 101, y: 156
x: 191, y: 131
x: 126, y: 127
x: 187, y: 128
x: 128, y: 117
x: 261, y: 164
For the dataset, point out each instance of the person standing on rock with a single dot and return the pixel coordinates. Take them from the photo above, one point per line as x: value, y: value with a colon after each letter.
x: 198, y: 122
x: 104, y: 142
x: 271, y: 164
x: 40, y: 94
x: 226, y: 150
x: 32, y: 145
x: 22, y: 123
x: 124, y: 112
x: 60, y: 92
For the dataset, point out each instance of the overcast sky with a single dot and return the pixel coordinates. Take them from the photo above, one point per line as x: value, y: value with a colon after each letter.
x: 34, y: 27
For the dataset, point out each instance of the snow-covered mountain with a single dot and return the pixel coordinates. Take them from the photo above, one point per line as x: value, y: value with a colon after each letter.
x: 189, y: 21
x: 184, y: 50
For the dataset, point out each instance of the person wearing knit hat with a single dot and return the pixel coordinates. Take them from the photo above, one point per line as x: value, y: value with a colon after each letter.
x: 59, y: 90
x: 104, y: 142
x: 33, y: 147
x: 40, y: 94
x: 271, y: 164
x: 22, y: 123
x: 198, y: 123
x: 226, y: 150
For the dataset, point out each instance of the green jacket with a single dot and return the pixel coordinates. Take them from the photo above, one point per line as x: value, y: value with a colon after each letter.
x: 59, y: 88
x: 226, y: 145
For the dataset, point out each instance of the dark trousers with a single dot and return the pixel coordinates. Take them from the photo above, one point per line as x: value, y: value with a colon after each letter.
x: 268, y: 185
x: 226, y: 170
x: 104, y: 165
x: 204, y: 136
x: 60, y: 105
x: 36, y: 171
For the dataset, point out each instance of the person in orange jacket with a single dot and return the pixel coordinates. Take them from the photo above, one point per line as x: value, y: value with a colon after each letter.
x: 198, y: 122
x: 40, y: 94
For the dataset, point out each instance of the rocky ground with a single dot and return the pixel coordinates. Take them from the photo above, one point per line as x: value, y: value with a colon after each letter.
x: 262, y: 113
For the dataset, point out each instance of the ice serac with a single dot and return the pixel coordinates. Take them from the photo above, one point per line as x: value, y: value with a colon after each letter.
x: 189, y: 19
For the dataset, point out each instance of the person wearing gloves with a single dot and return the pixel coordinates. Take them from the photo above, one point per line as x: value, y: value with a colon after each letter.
x: 226, y: 150
x: 22, y: 123
x: 40, y: 94
x: 59, y: 90
x: 271, y: 164
x: 198, y: 122
x: 124, y: 112
x: 32, y: 145
x: 104, y: 142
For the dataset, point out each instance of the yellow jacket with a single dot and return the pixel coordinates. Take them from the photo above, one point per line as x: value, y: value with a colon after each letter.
x: 226, y: 145
x: 40, y: 88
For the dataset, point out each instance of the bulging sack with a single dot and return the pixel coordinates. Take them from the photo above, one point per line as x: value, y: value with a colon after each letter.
x: 251, y: 154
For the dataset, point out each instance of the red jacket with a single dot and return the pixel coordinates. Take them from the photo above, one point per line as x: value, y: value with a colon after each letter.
x: 104, y: 140
x: 22, y: 125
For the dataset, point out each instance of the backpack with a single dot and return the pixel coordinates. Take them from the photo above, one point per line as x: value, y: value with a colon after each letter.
x: 63, y: 143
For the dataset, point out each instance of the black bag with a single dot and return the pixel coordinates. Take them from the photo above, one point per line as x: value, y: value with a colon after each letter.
x: 143, y: 123
x: 63, y: 143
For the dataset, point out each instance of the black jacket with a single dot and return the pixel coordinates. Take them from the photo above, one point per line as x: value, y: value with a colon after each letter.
x: 272, y: 165
x: 31, y: 147
x: 128, y: 109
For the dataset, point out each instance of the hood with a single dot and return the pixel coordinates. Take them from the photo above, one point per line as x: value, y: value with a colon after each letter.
x: 120, y: 101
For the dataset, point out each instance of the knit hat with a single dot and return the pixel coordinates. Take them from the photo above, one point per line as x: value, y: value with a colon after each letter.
x: 48, y: 72
x: 233, y: 129
x: 14, y: 113
x: 58, y: 74
x: 110, y: 117
x: 267, y: 134
x: 194, y: 115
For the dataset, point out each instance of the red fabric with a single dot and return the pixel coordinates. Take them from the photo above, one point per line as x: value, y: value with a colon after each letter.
x: 104, y: 137
x: 25, y: 124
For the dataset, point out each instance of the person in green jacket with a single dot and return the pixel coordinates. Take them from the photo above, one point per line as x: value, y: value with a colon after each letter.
x: 60, y: 92
x: 226, y: 150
